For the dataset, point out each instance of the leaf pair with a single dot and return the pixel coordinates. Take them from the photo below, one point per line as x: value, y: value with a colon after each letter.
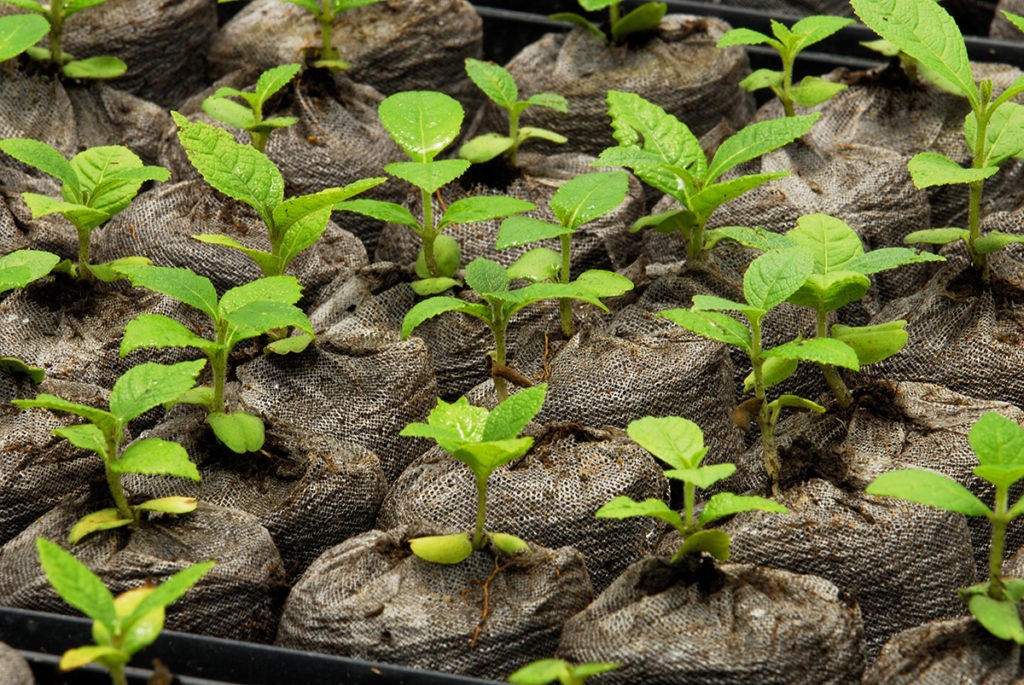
x: 249, y: 117
x: 54, y: 14
x: 646, y: 17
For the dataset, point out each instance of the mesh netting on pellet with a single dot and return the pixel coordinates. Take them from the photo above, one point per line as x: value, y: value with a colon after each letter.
x: 14, y: 670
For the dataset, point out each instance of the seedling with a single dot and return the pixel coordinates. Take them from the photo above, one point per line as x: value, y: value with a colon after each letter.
x: 244, y: 312
x: 326, y: 12
x: 646, y: 17
x: 18, y: 269
x: 839, y: 277
x: 249, y: 117
x: 999, y: 445
x: 576, y: 203
x: 994, y: 129
x: 138, y: 390
x: 790, y: 42
x: 769, y: 281
x: 545, y: 671
x: 122, y: 625
x: 490, y: 281
x: 498, y: 85
x: 664, y: 153
x: 679, y: 443
x: 19, y: 32
x: 424, y: 123
x: 96, y: 184
x: 247, y: 175
x: 482, y: 440
x: 55, y: 13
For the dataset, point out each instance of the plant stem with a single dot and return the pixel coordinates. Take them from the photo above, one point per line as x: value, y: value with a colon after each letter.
x: 689, y: 493
x: 787, y: 83
x: 832, y: 377
x: 117, y: 674
x: 513, y: 133
x: 259, y: 140
x: 219, y: 367
x: 982, y: 116
x: 995, y: 559
x: 695, y: 241
x: 613, y: 14
x: 114, y: 480
x: 481, y: 511
x: 565, y: 304
x: 498, y: 325
x: 326, y: 19
x: 428, y: 234
x: 772, y: 464
x: 56, y: 29
x: 84, y: 272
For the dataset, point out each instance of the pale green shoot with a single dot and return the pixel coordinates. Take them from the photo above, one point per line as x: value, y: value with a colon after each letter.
x: 545, y: 671
x: 249, y: 117
x: 646, y: 17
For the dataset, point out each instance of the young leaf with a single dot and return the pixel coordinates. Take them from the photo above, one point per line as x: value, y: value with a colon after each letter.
x: 713, y: 325
x: 623, y: 507
x: 771, y: 278
x: 508, y: 544
x: 427, y: 309
x: 714, y: 542
x: 727, y: 504
x: 149, y: 385
x: 482, y: 208
x: 442, y: 549
x: 157, y: 330
x: 495, y: 81
x: 104, y: 519
x: 674, y: 440
x: 21, y: 267
x: 156, y: 457
x: 929, y: 169
x: 999, y: 617
x: 239, y: 431
x: 509, y: 418
x: 18, y: 32
x: 76, y: 584
x: 818, y: 350
x: 702, y: 477
x: 584, y: 198
x: 423, y: 123
x: 172, y: 589
x: 646, y: 17
x: 928, y: 487
x: 183, y: 285
x: 429, y: 176
x: 757, y: 139
x: 997, y: 441
x: 873, y: 343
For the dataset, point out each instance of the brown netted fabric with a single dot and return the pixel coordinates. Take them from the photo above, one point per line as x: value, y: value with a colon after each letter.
x: 548, y: 497
x: 678, y: 67
x: 392, y: 46
x: 14, y: 670
x: 734, y: 624
x: 238, y: 599
x: 940, y: 652
x: 1001, y: 27
x: 370, y: 598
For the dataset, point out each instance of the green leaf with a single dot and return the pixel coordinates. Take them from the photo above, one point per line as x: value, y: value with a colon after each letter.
x: 887, y: 258
x: 423, y: 123
x: 470, y: 210
x: 280, y: 289
x: 797, y: 402
x: 745, y: 36
x: 21, y: 267
x: 292, y: 344
x: 110, y: 177
x: 149, y: 385
x: 726, y: 504
x: 715, y: 195
x: 30, y: 5
x: 938, y: 236
x: 714, y: 542
x: 537, y: 265
x: 757, y: 139
x: 486, y: 147
x: 427, y: 309
x: 873, y: 343
x: 442, y: 549
x: 274, y: 79
x: 762, y: 78
x: 172, y: 589
x: 45, y: 158
x: 169, y: 505
x: 486, y: 276
x: 715, y: 303
x: 928, y: 169
x: 84, y: 218
x: 75, y: 6
x: 508, y: 544
x: 451, y: 424
x: 646, y: 17
x: 295, y: 209
x: 483, y: 457
x: 429, y: 176
x: 18, y: 32
x: 999, y: 617
x: 1002, y: 476
x: 510, y: 417
x: 995, y: 241
x: 1004, y: 135
x: 522, y: 230
x: 157, y: 330
x: 382, y: 211
x: 229, y: 112
x: 532, y: 132
x: 925, y: 32
x: 76, y: 584
x: 82, y: 656
x: 816, y: 28
x: 433, y: 285
x: 818, y: 350
x: 774, y: 370
x: 86, y: 436
x: 102, y: 67
x: 256, y: 318
x: 577, y: 20
x: 997, y: 441
x: 713, y: 325
x: 639, y: 123
x: 495, y: 81
x: 586, y: 197
x: 154, y: 456
x: 623, y: 507
x: 674, y: 440
x: 13, y: 365
x: 269, y: 264
x: 542, y: 672
x: 930, y: 488
x: 829, y: 292
x: 771, y: 278
x: 103, y: 419
x: 549, y: 101
x: 830, y: 240
x: 602, y: 283
x: 183, y: 285
x: 702, y: 477
x: 757, y: 238
x: 104, y: 519
x: 239, y: 171
x: 240, y: 432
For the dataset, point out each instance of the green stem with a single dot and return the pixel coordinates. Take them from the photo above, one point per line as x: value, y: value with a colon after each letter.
x: 219, y: 367
x: 613, y: 14
x: 695, y: 241
x: 513, y: 133
x: 56, y: 29
x: 689, y: 493
x: 982, y: 116
x: 259, y: 140
x: 114, y: 480
x: 428, y: 234
x: 326, y: 19
x: 772, y: 464
x: 498, y: 326
x: 995, y: 559
x: 84, y: 272
x: 565, y: 304
x: 117, y: 674
x: 787, y: 83
x: 481, y: 511
x: 832, y: 377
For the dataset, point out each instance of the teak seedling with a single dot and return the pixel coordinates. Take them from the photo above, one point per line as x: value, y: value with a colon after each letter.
x: 646, y: 17
x: 576, y: 203
x: 423, y: 124
x: 769, y: 281
x: 122, y: 625
x: 18, y: 269
x: 498, y: 85
x: 679, y: 443
x: 245, y: 174
x: 664, y: 153
x: 96, y: 184
x: 482, y: 440
x: 244, y: 312
x: 790, y: 42
x: 19, y: 32
x: 249, y: 117
x: 491, y: 282
x: 994, y: 129
x: 999, y: 445
x: 326, y: 12
x: 138, y: 390
x: 545, y: 671
x: 55, y: 13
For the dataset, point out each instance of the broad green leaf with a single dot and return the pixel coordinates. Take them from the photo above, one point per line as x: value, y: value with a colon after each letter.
x: 83, y: 217
x: 274, y: 79
x: 18, y: 32
x: 757, y: 139
x: 104, y: 519
x: 290, y: 345
x: 273, y: 123
x: 522, y: 230
x: 256, y: 318
x: 1004, y: 135
x: 831, y: 241
x: 715, y: 195
x: 757, y: 238
x: 86, y: 436
x: 726, y: 504
x: 76, y: 584
x: 82, y: 656
x: 486, y: 276
x: 886, y: 258
x: 230, y: 112
x: 269, y: 264
x: 483, y: 457
x: 828, y: 292
x: 509, y: 544
x: 141, y: 631
x: 515, y: 300
x: 716, y: 303
x: 702, y: 477
x: 427, y: 309
x: 1002, y: 476
x: 45, y: 158
x: 929, y: 169
x: 816, y: 28
x: 577, y: 20
x: 539, y: 264
x: 21, y: 267
x: 925, y: 32
x: 103, y: 419
x: 771, y: 278
x: 995, y: 241
x: 451, y: 425
x: 745, y: 36
x: 280, y: 289
x: 169, y: 505
x: 482, y: 208
x: 510, y: 417
x: 102, y: 67
x: 240, y: 432
x: 429, y: 176
x: 549, y: 101
x: 382, y: 211
x: 108, y: 272
x: 930, y: 488
x: 937, y: 236
x: 762, y: 78
x: 111, y: 175
x: 646, y: 17
x: 239, y: 171
x: 818, y: 350
x: 774, y: 370
x: 714, y: 542
x: 154, y: 456
x: 183, y: 285
x: 601, y: 283
x: 674, y: 440
x: 428, y: 286
x: 295, y: 209
x: 713, y: 325
x: 542, y: 672
x: 14, y: 365
x: 997, y: 441
x: 873, y: 343
x: 486, y: 147
x: 532, y: 132
x: 639, y: 123
x: 797, y: 402
x: 586, y: 197
x: 495, y: 81
x: 172, y: 589
x: 157, y: 330
x: 999, y: 617
x: 442, y: 549
x: 149, y: 385
x: 623, y: 507
x: 423, y: 123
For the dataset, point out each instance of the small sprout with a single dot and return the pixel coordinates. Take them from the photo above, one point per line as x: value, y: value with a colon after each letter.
x: 326, y: 12
x: 576, y: 203
x: 423, y: 124
x: 96, y: 184
x: 249, y: 117
x: 490, y: 280
x: 19, y: 32
x: 545, y: 671
x: 55, y: 13
x: 247, y: 175
x: 247, y: 311
x: 994, y: 129
x: 138, y: 390
x: 482, y: 440
x: 498, y: 85
x: 999, y: 445
x: 769, y: 280
x: 646, y: 17
x: 664, y: 153
x: 679, y: 443
x: 789, y: 42
x: 18, y: 269
x: 122, y: 625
